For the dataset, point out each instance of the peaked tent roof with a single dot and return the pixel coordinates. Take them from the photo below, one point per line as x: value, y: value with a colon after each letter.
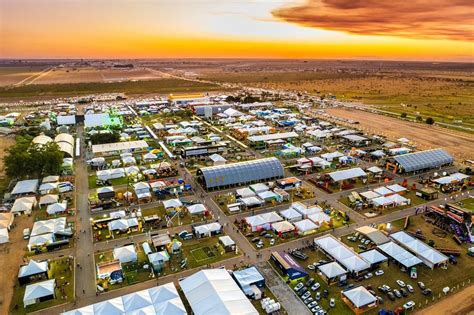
x: 32, y: 268
x: 213, y: 291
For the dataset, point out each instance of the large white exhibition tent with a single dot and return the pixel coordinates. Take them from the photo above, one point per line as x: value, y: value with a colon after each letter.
x: 213, y: 291
x: 161, y: 300
x: 38, y: 290
x: 24, y: 204
x: 125, y: 254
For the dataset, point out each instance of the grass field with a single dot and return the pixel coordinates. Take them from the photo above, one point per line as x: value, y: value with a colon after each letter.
x: 468, y: 204
x: 131, y: 87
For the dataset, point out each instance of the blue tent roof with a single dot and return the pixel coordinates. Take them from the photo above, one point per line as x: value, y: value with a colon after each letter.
x: 424, y: 160
x: 242, y: 172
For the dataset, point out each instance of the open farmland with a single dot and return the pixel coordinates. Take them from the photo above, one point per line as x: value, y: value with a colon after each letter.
x: 447, y: 97
x: 423, y: 135
x: 130, y: 87
x: 93, y: 74
x: 11, y: 75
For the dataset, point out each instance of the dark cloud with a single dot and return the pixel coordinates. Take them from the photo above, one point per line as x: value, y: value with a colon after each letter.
x: 435, y: 19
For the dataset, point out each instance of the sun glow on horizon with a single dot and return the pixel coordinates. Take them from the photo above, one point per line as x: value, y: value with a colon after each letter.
x: 195, y: 29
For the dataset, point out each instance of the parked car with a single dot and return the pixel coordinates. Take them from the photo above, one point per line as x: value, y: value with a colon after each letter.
x: 391, y: 296
x: 404, y: 292
x: 311, y: 267
x: 272, y: 242
x: 315, y: 286
x: 386, y: 287
x: 26, y: 233
x: 379, y: 272
x: 352, y: 238
x: 316, y: 309
x: 397, y: 293
x: 318, y: 296
x: 332, y: 302
x: 410, y: 288
x: 382, y: 289
x: 302, y: 291
x: 409, y: 305
x: 421, y: 285
x: 308, y: 300
x: 310, y: 282
x: 368, y: 275
x: 312, y: 304
x: 427, y: 292
x: 306, y: 295
x: 401, y: 283
x: 367, y: 242
x: 255, y: 240
x: 380, y: 299
x: 325, y: 294
x: 299, y: 286
x: 362, y: 247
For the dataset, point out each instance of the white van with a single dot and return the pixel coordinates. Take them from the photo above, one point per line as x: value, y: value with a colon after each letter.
x: 26, y: 233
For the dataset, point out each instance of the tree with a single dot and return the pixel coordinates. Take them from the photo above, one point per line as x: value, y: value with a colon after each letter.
x: 419, y: 118
x: 105, y: 137
x: 429, y: 121
x: 33, y: 160
x: 403, y: 115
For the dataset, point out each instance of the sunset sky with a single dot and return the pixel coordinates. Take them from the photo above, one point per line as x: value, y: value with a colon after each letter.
x: 368, y: 29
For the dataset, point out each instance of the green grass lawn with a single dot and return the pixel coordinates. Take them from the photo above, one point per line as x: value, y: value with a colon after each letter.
x: 467, y: 204
x: 62, y: 271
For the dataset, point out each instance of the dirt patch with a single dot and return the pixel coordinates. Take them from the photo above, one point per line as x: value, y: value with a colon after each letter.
x: 11, y: 257
x: 460, y: 145
x: 457, y: 304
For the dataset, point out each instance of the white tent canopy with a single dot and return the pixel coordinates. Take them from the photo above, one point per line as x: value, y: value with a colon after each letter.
x: 38, y: 290
x: 332, y: 270
x: 56, y: 207
x: 172, y: 203
x: 283, y: 227
x: 427, y: 254
x: 125, y: 254
x: 399, y: 254
x: 24, y: 204
x: 338, y: 176
x: 359, y: 296
x: 48, y: 199
x: 342, y: 253
x: 305, y: 225
x: 291, y: 215
x: 196, y: 208
x: 213, y: 291
x: 32, y: 268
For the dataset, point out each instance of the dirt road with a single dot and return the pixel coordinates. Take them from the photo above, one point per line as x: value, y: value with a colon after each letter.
x: 458, y: 304
x: 460, y: 145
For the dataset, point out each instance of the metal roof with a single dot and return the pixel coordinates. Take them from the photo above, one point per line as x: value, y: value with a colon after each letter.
x: 423, y: 160
x: 242, y: 172
x: 273, y: 136
x: 347, y: 174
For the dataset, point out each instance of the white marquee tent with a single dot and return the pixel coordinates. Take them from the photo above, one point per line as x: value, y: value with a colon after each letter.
x: 213, y: 291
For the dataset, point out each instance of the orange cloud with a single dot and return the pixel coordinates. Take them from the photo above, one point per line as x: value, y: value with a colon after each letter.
x: 434, y: 19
